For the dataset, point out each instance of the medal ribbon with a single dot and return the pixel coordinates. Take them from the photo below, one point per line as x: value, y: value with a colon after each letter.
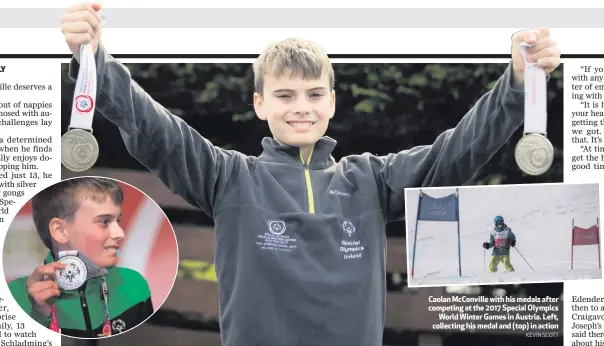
x: 535, y: 95
x: 107, y: 324
x: 84, y: 99
x: 54, y: 324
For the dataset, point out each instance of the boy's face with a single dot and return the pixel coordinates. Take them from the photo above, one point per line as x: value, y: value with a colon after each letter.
x: 297, y: 110
x: 94, y: 231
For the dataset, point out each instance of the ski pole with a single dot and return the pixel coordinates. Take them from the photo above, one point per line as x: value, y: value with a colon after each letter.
x: 524, y: 258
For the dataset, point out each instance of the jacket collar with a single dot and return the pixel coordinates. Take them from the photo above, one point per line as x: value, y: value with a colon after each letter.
x: 321, y: 155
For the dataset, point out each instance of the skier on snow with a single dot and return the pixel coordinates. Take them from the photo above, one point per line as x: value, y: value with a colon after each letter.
x: 501, y: 239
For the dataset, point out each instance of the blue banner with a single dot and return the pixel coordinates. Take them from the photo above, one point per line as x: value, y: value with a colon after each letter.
x: 438, y: 209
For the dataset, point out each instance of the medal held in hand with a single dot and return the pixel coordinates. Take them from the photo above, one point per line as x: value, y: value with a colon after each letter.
x: 79, y: 148
x: 73, y: 275
x: 78, y: 269
x: 534, y: 152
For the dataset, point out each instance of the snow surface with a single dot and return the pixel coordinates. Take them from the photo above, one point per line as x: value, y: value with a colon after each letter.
x: 541, y: 217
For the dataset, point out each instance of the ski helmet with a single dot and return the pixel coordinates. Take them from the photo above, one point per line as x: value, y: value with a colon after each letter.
x: 498, y: 219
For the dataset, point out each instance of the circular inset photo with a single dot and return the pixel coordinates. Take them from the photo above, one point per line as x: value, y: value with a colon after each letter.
x: 90, y: 257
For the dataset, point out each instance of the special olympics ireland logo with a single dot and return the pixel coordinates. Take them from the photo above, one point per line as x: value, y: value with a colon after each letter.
x: 348, y: 227
x: 84, y: 103
x: 118, y: 325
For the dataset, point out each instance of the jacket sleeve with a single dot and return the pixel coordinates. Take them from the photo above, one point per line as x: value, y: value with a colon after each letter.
x: 491, y: 240
x: 18, y: 289
x: 511, y: 236
x: 187, y: 163
x: 457, y: 154
x: 43, y: 320
x: 145, y: 310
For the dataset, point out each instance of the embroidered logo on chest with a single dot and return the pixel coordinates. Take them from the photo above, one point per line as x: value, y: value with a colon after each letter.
x: 118, y: 325
x: 276, y: 227
x: 348, y: 227
x: 339, y: 193
x: 275, y: 240
x: 352, y: 249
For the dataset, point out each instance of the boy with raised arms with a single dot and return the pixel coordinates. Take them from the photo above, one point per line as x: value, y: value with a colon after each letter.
x: 300, y: 238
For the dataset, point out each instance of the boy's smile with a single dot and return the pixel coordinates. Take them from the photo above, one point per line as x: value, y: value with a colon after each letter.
x: 301, y: 126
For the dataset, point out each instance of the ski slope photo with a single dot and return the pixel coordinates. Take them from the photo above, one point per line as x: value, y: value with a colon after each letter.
x: 541, y: 217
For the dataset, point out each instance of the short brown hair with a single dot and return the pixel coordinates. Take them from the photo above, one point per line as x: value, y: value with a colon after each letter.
x: 304, y: 58
x: 62, y: 200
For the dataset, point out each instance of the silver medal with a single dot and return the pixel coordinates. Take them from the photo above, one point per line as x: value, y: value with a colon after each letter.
x: 79, y: 150
x: 73, y: 275
x: 534, y: 154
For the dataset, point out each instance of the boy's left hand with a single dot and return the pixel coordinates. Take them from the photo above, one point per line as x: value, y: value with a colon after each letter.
x: 544, y: 52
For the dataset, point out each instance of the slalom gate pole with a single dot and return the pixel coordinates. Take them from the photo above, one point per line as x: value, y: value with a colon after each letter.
x: 523, y: 258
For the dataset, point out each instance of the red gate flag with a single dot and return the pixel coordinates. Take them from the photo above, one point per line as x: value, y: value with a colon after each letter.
x: 585, y: 236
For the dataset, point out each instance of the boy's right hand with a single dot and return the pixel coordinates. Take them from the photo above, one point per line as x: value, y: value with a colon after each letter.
x: 41, y: 287
x: 81, y: 24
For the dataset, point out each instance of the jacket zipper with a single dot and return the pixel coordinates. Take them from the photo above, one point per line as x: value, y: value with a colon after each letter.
x: 86, y: 313
x: 311, y: 201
